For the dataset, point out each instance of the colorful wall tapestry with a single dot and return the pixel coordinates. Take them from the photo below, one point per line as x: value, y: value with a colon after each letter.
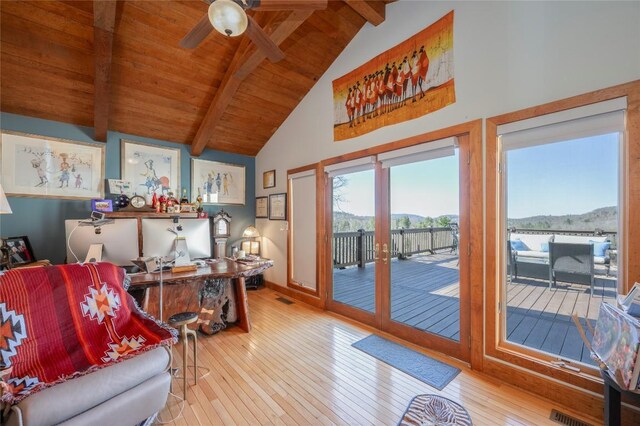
x: 407, y: 81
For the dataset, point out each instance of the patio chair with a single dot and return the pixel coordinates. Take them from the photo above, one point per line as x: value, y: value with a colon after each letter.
x: 571, y: 263
x: 455, y: 234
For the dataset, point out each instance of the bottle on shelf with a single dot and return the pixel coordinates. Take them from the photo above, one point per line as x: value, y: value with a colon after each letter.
x: 184, y: 199
x: 154, y: 203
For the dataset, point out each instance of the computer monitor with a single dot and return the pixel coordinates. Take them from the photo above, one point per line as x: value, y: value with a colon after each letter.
x: 157, y: 240
x: 119, y: 240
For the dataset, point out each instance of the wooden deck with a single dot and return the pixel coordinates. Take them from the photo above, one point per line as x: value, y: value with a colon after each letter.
x: 425, y: 295
x: 424, y: 292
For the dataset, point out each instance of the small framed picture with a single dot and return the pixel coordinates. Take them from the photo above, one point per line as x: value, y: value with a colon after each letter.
x: 187, y: 208
x: 102, y: 205
x: 262, y: 207
x: 269, y: 179
x: 119, y: 186
x: 278, y: 206
x: 20, y: 250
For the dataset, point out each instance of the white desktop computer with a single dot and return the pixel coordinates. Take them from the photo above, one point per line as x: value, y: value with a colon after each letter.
x: 119, y: 240
x: 158, y: 239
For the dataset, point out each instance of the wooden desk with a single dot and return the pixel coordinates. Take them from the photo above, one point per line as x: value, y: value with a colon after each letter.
x: 181, y: 290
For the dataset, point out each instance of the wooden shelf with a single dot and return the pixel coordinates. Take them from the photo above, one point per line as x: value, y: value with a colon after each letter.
x: 115, y: 215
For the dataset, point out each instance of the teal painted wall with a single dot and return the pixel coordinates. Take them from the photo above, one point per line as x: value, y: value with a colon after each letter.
x: 42, y: 219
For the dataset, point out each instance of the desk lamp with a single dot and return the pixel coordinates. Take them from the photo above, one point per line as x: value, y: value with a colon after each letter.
x: 251, y: 246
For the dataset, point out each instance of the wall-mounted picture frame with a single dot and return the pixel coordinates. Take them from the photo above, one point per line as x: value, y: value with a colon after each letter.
x: 44, y: 167
x: 269, y: 179
x: 150, y: 168
x: 278, y: 206
x: 218, y: 183
x: 20, y: 250
x: 119, y: 186
x: 262, y: 207
x: 105, y: 206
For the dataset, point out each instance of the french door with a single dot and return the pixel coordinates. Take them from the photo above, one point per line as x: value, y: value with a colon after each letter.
x: 397, y: 247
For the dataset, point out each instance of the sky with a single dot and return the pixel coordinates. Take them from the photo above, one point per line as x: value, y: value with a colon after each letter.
x: 426, y: 188
x: 569, y: 177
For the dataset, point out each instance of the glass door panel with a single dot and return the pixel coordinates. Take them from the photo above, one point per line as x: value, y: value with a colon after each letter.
x: 425, y: 266
x: 561, y: 213
x: 353, y: 240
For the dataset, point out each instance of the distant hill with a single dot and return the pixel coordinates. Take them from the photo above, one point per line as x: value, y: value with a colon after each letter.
x: 605, y: 218
x: 347, y: 222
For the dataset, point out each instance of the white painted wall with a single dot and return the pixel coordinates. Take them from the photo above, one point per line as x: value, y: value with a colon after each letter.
x: 508, y: 56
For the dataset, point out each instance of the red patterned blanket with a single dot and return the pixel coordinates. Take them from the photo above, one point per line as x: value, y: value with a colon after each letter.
x: 61, y: 322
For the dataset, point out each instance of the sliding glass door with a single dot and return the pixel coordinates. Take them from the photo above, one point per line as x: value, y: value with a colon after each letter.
x: 425, y: 234
x: 396, y: 235
x: 354, y: 239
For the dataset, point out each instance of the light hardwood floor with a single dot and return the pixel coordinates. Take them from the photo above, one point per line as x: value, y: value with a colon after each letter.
x: 297, y: 367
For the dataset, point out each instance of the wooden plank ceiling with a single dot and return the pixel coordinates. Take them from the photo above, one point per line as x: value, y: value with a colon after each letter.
x: 53, y: 65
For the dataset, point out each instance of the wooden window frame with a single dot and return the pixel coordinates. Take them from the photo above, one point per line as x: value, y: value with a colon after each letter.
x: 519, y: 355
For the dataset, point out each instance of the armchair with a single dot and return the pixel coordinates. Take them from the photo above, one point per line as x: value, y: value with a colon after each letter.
x: 571, y: 263
x: 76, y: 349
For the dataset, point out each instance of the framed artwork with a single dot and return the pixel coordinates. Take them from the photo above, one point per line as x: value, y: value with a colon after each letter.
x: 218, y: 183
x: 119, y: 186
x: 262, y: 207
x: 102, y: 205
x: 278, y: 206
x: 150, y: 168
x: 410, y: 80
x: 39, y: 166
x: 269, y: 179
x: 20, y: 250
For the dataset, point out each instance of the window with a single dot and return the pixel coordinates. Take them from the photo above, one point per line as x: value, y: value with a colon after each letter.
x: 560, y: 203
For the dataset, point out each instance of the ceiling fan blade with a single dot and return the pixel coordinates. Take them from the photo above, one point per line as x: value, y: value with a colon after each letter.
x: 273, y: 5
x: 197, y: 34
x: 263, y: 41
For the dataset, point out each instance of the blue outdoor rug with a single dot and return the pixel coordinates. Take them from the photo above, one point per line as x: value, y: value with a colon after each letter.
x: 424, y: 368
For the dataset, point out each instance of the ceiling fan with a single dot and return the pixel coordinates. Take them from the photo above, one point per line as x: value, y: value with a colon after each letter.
x: 229, y: 18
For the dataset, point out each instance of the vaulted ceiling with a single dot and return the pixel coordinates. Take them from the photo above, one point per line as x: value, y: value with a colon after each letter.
x: 121, y: 68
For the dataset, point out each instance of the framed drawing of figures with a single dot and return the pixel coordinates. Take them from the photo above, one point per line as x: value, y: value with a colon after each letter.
x: 39, y: 166
x: 262, y: 207
x: 278, y: 206
x: 218, y: 183
x: 150, y: 168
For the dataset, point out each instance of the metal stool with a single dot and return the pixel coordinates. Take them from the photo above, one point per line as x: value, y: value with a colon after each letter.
x: 181, y: 321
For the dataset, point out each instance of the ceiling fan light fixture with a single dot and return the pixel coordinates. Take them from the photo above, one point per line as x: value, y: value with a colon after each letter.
x: 228, y: 17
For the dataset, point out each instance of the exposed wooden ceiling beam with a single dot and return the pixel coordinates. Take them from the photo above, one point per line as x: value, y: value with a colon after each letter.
x: 242, y: 65
x: 104, y: 19
x: 372, y: 11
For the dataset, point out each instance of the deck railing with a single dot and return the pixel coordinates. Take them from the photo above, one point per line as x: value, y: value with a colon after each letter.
x: 357, y: 248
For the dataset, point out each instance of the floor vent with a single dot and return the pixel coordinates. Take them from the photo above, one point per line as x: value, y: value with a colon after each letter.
x: 285, y: 301
x: 565, y: 419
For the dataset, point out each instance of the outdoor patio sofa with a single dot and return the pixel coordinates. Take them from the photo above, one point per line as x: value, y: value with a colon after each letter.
x: 528, y: 246
x: 574, y: 259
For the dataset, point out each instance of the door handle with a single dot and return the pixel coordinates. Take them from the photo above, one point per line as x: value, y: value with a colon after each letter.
x: 385, y: 251
x: 376, y: 253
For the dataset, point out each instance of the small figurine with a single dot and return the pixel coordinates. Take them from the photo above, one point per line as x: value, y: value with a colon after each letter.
x: 163, y: 203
